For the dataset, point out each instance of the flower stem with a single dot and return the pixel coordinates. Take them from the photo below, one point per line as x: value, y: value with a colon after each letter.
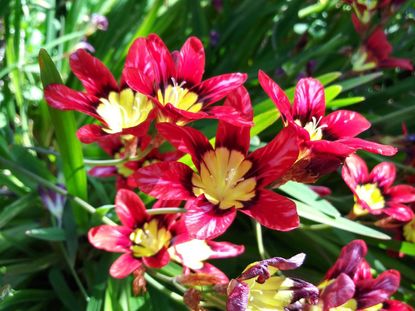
x: 153, y: 282
x: 166, y: 210
x: 315, y: 227
x: 260, y: 242
x: 88, y: 207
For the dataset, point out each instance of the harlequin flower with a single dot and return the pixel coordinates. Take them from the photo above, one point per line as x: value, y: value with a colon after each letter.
x: 142, y: 238
x: 376, y: 54
x: 349, y: 284
x: 174, y: 81
x: 227, y: 179
x: 326, y: 140
x: 374, y: 193
x: 193, y: 254
x: 257, y: 289
x: 119, y: 109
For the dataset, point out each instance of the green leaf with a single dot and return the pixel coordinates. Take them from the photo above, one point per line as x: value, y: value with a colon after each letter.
x: 310, y: 213
x: 343, y: 102
x: 332, y: 92
x: 69, y: 146
x: 62, y: 290
x: 329, y: 77
x: 15, y: 208
x: 48, y: 234
x: 355, y: 82
x: 305, y: 194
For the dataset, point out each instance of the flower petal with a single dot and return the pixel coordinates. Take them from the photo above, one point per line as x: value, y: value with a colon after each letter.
x: 355, y: 172
x: 370, y: 146
x: 228, y: 114
x: 276, y: 94
x: 110, y: 238
x: 338, y: 292
x: 309, y: 100
x: 343, y: 123
x: 124, y: 266
x: 129, y: 208
x: 159, y: 260
x: 374, y: 291
x: 238, y: 294
x: 401, y: 194
x: 139, y: 82
x: 224, y: 249
x: 349, y: 259
x: 399, y: 212
x: 186, y: 139
x: 393, y: 62
x: 90, y: 133
x: 274, y: 211
x: 383, y: 174
x: 164, y: 180
x: 211, y: 270
x: 216, y: 88
x: 276, y: 158
x: 334, y: 148
x: 95, y: 77
x: 162, y: 58
x: 206, y: 221
x: 191, y: 61
x: 395, y: 305
x: 62, y: 97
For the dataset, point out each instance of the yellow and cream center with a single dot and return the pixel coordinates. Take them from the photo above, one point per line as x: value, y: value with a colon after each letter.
x: 179, y: 97
x: 149, y: 239
x: 371, y: 194
x: 123, y: 110
x: 409, y: 231
x: 221, y: 178
x: 313, y: 128
x: 191, y: 254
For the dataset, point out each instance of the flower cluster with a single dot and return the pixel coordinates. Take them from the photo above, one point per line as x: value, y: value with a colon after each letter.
x: 143, y: 123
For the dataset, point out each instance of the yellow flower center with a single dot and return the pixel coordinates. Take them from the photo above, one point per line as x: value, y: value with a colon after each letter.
x: 409, y: 231
x: 191, y: 254
x: 179, y: 97
x: 123, y: 110
x: 371, y: 194
x: 275, y: 294
x: 314, y: 130
x: 149, y: 239
x: 221, y: 178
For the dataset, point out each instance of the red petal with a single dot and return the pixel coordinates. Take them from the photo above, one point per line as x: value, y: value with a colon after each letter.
x: 334, y: 148
x: 209, y: 269
x: 191, y: 61
x: 349, y: 259
x: 395, y: 305
x: 206, y: 221
x: 90, y: 133
x: 110, y: 238
x: 355, y: 172
x: 186, y: 139
x: 216, y: 88
x: 162, y: 58
x: 62, y: 97
x: 393, y: 62
x: 225, y: 249
x: 383, y: 174
x: 95, y: 77
x: 401, y: 193
x: 276, y: 94
x: 159, y: 260
x: 358, y: 143
x: 343, y: 123
x: 379, y: 45
x: 129, y: 208
x: 139, y: 82
x: 375, y: 291
x: 165, y: 180
x: 238, y: 294
x: 274, y: 211
x: 276, y: 158
x: 309, y: 100
x: 229, y: 114
x: 124, y: 266
x: 111, y: 144
x: 338, y: 292
x: 399, y: 212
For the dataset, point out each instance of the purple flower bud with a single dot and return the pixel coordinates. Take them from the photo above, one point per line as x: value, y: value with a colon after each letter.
x: 218, y: 5
x: 53, y: 201
x: 99, y: 21
x: 214, y: 38
x: 85, y: 45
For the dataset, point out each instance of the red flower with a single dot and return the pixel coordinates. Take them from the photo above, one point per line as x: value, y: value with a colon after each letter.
x: 193, y: 253
x: 395, y: 305
x: 349, y: 283
x: 174, y: 81
x: 120, y: 110
x: 257, y: 289
x: 142, y: 238
x: 374, y: 192
x: 227, y: 177
x: 376, y: 53
x: 326, y: 140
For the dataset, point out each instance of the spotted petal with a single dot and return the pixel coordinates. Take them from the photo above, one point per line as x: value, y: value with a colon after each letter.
x: 343, y: 123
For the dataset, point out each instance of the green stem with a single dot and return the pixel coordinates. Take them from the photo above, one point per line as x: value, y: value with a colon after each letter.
x: 315, y: 227
x: 260, y: 242
x: 166, y: 210
x: 153, y: 282
x: 88, y: 207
